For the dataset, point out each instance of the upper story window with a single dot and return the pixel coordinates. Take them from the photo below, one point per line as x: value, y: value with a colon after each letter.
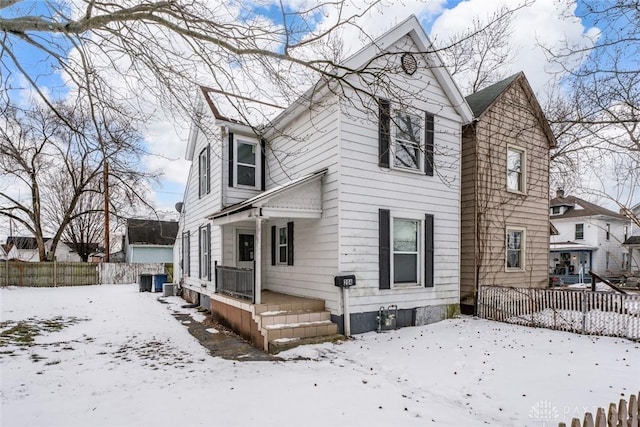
x: 405, y: 139
x: 245, y: 165
x: 555, y: 210
x: 516, y: 170
x: 204, y: 172
x: 407, y: 146
x: 626, y: 233
x: 579, y: 231
x: 608, y: 232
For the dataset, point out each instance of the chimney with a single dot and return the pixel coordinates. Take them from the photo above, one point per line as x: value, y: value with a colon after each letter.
x: 560, y: 193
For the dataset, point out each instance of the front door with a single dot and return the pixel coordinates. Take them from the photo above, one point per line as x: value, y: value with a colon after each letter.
x: 245, y: 240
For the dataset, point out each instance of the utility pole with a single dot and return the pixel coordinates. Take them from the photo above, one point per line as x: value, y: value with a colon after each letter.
x: 106, y: 211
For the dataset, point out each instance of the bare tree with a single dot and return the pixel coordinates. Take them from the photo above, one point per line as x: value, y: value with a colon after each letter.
x: 59, y: 166
x: 598, y: 122
x: 479, y: 57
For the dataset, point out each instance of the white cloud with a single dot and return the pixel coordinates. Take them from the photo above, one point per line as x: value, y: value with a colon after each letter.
x: 541, y: 23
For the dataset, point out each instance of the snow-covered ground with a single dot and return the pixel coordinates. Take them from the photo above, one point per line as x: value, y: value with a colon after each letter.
x: 111, y: 356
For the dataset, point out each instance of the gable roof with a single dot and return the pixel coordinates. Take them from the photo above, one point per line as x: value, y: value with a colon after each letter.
x: 481, y: 101
x: 151, y: 232
x: 358, y: 61
x: 23, y: 243
x: 588, y: 208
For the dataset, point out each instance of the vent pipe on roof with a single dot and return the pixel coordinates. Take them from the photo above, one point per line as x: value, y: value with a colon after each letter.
x: 560, y: 193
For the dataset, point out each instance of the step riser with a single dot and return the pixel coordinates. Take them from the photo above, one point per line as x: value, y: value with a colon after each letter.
x: 301, y: 332
x: 309, y: 305
x: 294, y: 318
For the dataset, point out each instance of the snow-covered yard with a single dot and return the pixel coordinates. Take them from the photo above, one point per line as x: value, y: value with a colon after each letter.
x: 111, y: 356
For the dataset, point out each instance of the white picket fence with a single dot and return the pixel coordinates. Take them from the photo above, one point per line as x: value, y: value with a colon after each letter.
x: 623, y: 415
x: 581, y: 311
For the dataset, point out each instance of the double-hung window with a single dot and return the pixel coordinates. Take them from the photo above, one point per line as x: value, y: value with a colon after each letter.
x: 408, y: 151
x: 186, y: 260
x: 406, y: 251
x: 579, y: 232
x: 515, y: 249
x: 205, y: 252
x: 204, y: 171
x: 282, y: 245
x: 405, y: 139
x: 515, y: 170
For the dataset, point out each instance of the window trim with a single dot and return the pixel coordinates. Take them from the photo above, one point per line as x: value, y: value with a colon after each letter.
x: 204, y: 171
x: 522, y: 249
x: 186, y: 254
x: 576, y: 231
x: 419, y: 218
x: 280, y: 245
x: 523, y: 167
x: 238, y: 139
x: 204, y: 252
x: 394, y: 141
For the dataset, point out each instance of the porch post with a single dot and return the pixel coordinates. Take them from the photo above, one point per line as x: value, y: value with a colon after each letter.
x: 257, y: 273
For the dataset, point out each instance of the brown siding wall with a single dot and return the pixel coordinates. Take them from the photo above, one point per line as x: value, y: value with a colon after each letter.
x: 468, y: 218
x: 511, y: 121
x: 239, y: 320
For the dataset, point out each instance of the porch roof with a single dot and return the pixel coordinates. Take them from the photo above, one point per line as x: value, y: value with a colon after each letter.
x: 299, y: 198
x: 571, y: 247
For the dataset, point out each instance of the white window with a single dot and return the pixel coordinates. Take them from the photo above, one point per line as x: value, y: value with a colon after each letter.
x: 406, y: 245
x: 186, y: 261
x: 282, y: 245
x: 555, y: 210
x: 515, y: 245
x: 625, y: 261
x: 579, y: 231
x: 608, y: 231
x: 408, y: 141
x: 205, y: 244
x: 203, y: 168
x: 246, y: 163
x: 515, y: 169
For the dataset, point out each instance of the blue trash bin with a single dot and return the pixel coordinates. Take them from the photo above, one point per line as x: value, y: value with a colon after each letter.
x: 158, y: 281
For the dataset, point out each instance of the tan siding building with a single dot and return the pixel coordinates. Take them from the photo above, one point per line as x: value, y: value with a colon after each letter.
x: 505, y: 191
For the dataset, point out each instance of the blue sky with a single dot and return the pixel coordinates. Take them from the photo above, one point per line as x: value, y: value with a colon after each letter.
x: 440, y: 18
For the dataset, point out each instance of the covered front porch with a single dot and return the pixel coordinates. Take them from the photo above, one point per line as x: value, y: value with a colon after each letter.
x: 570, y: 263
x: 258, y: 240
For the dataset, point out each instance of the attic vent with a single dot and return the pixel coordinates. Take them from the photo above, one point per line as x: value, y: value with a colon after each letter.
x: 409, y: 63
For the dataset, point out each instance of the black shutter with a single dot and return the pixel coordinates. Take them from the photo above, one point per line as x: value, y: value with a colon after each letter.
x: 384, y: 243
x: 231, y: 159
x: 290, y: 243
x: 384, y: 132
x: 263, y: 172
x: 273, y: 244
x: 209, y: 250
x: 428, y: 250
x: 428, y: 144
x: 199, y: 252
x: 200, y: 175
x: 208, y: 183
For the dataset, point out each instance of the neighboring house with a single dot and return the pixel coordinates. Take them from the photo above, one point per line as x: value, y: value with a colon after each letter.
x: 631, y: 259
x: 328, y: 191
x: 505, y: 198
x: 589, y: 238
x: 149, y: 240
x: 26, y: 248
x: 8, y: 252
x: 64, y: 252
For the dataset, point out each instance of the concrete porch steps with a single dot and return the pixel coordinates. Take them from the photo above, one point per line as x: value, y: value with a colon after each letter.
x: 282, y: 344
x: 293, y: 322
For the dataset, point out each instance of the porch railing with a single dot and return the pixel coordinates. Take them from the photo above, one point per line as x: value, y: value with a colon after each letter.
x: 237, y: 282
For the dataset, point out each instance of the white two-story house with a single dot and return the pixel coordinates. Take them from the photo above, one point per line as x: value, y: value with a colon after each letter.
x: 589, y: 238
x: 357, y: 187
